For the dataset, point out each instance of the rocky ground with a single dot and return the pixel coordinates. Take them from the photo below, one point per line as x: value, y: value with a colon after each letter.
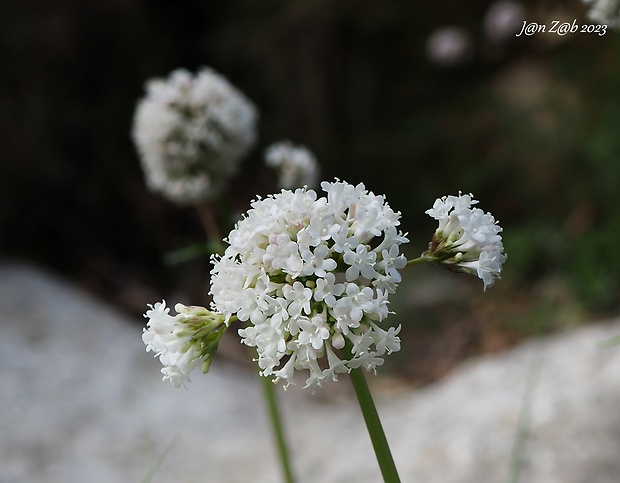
x: 83, y: 402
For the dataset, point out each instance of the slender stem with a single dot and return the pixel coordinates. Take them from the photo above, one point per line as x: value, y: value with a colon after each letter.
x: 523, y: 425
x: 421, y: 259
x: 161, y: 460
x: 373, y: 423
x: 278, y: 430
x: 615, y: 340
x: 210, y: 225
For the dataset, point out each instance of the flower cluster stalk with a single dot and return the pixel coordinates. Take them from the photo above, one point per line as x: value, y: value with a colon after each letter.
x: 373, y: 423
x: 278, y: 429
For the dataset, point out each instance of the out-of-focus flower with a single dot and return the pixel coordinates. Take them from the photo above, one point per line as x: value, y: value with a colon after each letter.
x: 184, y: 341
x: 605, y: 12
x: 296, y: 166
x: 310, y: 275
x: 449, y: 46
x: 467, y: 239
x: 191, y: 132
x: 503, y: 19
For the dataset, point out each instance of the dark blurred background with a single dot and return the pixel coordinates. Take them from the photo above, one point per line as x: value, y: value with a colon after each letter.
x: 530, y: 125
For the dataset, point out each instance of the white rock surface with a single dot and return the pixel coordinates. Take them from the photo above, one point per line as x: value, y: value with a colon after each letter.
x: 81, y: 401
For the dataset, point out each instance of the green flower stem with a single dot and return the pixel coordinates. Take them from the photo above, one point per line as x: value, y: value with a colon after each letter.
x: 373, y: 423
x: 531, y: 383
x: 278, y: 430
x: 209, y: 220
x: 421, y: 259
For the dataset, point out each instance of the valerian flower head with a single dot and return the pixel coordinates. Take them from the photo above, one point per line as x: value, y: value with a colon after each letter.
x: 605, y: 12
x: 467, y: 239
x: 503, y: 20
x: 191, y: 131
x: 296, y: 166
x: 449, y: 46
x: 184, y: 341
x: 310, y: 274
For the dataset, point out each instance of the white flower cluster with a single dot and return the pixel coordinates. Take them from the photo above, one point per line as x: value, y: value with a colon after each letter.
x: 605, y: 12
x: 449, y: 46
x: 310, y: 274
x: 190, y: 132
x: 296, y: 165
x: 503, y: 20
x: 467, y: 239
x: 182, y: 342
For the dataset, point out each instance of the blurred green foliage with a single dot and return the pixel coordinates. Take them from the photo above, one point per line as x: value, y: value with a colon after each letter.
x: 530, y: 126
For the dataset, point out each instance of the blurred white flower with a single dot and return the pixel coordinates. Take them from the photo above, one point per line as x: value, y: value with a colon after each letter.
x: 605, y: 12
x: 310, y: 273
x: 296, y: 166
x: 191, y: 132
x: 467, y: 239
x: 449, y: 46
x: 503, y: 20
x: 184, y: 341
